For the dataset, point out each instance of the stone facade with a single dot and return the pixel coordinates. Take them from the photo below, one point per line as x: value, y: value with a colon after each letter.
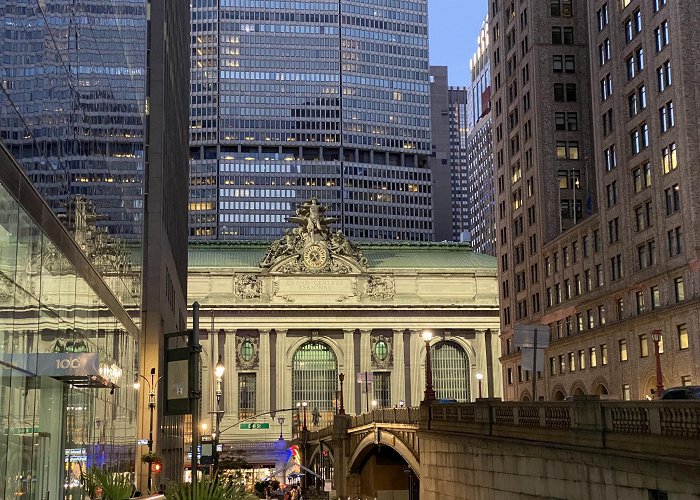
x: 627, y: 265
x: 369, y: 316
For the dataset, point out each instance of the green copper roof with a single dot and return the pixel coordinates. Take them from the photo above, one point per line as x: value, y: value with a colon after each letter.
x: 379, y: 255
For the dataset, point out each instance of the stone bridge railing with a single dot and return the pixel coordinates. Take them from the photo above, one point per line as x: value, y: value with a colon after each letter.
x: 634, y: 426
x: 387, y: 416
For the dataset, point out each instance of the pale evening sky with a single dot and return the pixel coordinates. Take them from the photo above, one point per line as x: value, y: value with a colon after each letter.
x: 454, y: 27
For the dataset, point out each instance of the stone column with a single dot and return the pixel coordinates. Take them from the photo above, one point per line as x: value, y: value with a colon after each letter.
x: 229, y: 401
x: 398, y: 374
x: 417, y: 367
x: 349, y: 370
x: 365, y: 366
x: 283, y: 394
x: 264, y: 382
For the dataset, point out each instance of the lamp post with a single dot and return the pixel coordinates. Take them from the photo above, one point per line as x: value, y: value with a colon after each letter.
x: 218, y: 373
x: 304, y: 405
x: 429, y: 394
x: 280, y: 420
x: 656, y: 338
x: 151, y: 408
x: 341, y: 377
x: 480, y: 378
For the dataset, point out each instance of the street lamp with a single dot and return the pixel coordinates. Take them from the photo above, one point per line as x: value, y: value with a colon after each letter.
x: 218, y: 373
x: 480, y: 378
x: 656, y: 338
x: 152, y: 384
x: 304, y: 405
x: 280, y: 420
x: 374, y: 404
x: 429, y: 394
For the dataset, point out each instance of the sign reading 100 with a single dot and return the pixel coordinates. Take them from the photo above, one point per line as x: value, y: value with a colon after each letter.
x: 248, y: 426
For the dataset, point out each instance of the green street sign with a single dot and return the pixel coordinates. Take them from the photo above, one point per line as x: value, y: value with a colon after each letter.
x: 251, y: 426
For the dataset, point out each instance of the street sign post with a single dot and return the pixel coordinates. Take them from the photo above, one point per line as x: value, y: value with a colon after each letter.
x: 531, y: 339
x: 250, y: 426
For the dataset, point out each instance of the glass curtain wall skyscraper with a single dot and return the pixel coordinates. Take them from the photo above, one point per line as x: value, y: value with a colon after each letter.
x: 72, y: 102
x: 297, y: 99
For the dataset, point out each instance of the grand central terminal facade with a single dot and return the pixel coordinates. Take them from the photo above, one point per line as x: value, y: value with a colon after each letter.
x: 287, y: 319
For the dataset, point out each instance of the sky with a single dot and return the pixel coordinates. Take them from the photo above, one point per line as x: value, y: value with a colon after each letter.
x: 454, y: 26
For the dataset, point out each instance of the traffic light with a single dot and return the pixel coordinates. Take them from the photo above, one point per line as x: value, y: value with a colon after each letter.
x: 156, y: 467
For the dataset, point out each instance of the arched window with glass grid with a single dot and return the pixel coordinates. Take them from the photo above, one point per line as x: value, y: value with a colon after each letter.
x: 315, y: 380
x: 450, y: 366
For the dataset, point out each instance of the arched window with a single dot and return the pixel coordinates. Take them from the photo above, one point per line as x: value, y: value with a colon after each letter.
x: 315, y: 380
x: 450, y: 367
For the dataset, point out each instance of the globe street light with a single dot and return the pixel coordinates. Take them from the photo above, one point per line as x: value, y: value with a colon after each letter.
x: 480, y: 378
x: 218, y: 373
x: 656, y: 338
x: 429, y: 394
x: 280, y: 420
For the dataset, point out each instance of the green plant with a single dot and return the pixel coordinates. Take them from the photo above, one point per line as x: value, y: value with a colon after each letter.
x: 151, y: 458
x: 207, y: 489
x: 114, y: 485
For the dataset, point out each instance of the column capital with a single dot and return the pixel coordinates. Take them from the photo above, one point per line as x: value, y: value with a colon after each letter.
x: 281, y: 331
x: 399, y: 331
x: 366, y: 331
x: 264, y: 331
x: 349, y: 331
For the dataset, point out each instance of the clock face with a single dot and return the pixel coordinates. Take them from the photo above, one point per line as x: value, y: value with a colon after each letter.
x: 315, y: 256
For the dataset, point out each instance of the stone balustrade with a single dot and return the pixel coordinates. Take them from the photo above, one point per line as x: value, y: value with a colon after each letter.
x: 635, y: 426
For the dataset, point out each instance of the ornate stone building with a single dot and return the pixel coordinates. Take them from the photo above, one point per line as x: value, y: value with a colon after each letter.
x: 288, y: 318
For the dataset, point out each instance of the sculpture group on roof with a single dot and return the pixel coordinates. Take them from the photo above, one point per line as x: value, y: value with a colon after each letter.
x: 313, y: 231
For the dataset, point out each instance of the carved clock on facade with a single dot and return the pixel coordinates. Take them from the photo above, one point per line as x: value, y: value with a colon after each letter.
x: 315, y: 256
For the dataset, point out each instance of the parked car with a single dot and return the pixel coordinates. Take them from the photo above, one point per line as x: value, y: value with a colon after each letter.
x: 686, y: 392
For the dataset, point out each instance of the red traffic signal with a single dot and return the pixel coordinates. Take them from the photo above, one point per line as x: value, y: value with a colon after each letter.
x: 156, y: 467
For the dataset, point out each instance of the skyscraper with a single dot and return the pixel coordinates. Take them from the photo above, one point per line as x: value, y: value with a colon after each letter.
x: 624, y: 271
x: 458, y: 98
x: 292, y: 100
x: 480, y: 204
x: 73, y: 97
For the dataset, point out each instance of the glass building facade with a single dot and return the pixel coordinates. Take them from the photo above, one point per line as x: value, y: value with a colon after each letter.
x: 68, y: 353
x: 72, y: 102
x: 292, y: 99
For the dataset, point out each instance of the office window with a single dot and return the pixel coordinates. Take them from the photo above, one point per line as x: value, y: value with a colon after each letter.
x: 675, y: 241
x: 679, y: 289
x: 616, y: 267
x: 610, y: 158
x: 565, y: 92
x: 589, y: 318
x: 682, y: 331
x: 620, y: 308
x: 592, y: 358
x: 572, y: 362
x: 622, y: 343
x: 672, y: 197
x: 604, y: 354
x: 599, y: 275
x: 562, y: 364
x: 663, y: 76
x: 662, y: 37
x: 601, y: 315
x: 604, y: 51
x: 582, y: 359
x: 510, y: 376
x: 667, y: 118
x: 655, y: 295
x: 669, y: 160
x: 552, y: 366
x: 641, y: 177
x: 611, y: 191
x: 639, y: 296
x: 603, y: 18
x: 606, y: 87
x: 658, y: 5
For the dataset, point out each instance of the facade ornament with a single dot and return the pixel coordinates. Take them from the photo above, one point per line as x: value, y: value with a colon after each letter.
x: 247, y: 286
x: 382, y: 352
x: 380, y: 287
x: 247, y: 352
x: 312, y: 247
